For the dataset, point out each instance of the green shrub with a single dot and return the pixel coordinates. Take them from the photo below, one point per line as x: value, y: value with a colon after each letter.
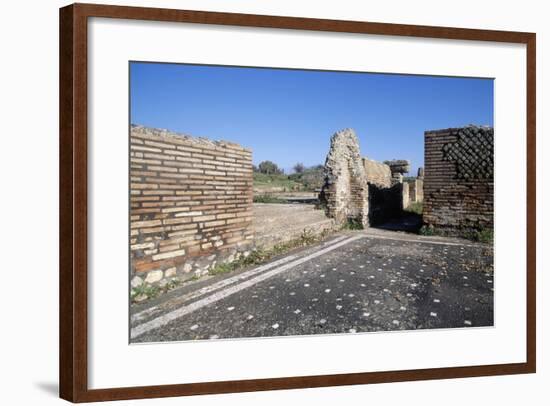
x: 269, y: 168
x: 415, y: 207
x: 173, y: 283
x: 483, y: 235
x: 259, y: 256
x: 150, y: 291
x: 221, y: 269
x: 311, y: 178
x: 307, y: 237
x: 427, y: 230
x: 255, y: 257
x: 353, y: 224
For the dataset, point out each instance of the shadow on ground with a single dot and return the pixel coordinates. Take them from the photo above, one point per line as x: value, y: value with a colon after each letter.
x: 408, y: 222
x: 50, y: 388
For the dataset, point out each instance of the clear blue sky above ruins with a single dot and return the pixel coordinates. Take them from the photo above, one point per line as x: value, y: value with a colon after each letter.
x: 288, y: 116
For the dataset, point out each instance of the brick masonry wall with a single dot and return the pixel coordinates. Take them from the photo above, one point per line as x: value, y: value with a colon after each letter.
x: 458, y: 182
x: 190, y: 204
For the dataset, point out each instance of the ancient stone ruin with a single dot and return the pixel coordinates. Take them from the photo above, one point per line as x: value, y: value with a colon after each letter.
x: 458, y: 183
x: 360, y: 189
x: 191, y: 198
x: 378, y: 173
x: 388, y: 199
x: 456, y: 187
x: 416, y: 188
x: 398, y: 167
x: 345, y: 192
x: 190, y: 204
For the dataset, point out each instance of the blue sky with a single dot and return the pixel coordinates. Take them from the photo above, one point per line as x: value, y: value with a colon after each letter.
x: 288, y: 116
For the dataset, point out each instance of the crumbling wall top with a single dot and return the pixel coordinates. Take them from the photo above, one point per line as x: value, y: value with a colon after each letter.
x: 377, y: 173
x: 399, y: 165
x: 184, y: 139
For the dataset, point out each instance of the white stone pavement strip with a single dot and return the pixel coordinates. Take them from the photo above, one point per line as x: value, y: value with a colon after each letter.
x: 229, y: 281
x: 419, y: 240
x: 186, y: 309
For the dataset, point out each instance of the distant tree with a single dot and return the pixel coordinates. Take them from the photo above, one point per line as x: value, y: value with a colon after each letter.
x: 312, y: 177
x: 269, y: 168
x: 299, y: 167
x: 255, y: 168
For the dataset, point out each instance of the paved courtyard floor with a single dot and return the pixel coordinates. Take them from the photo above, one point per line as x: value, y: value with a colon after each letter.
x: 352, y: 283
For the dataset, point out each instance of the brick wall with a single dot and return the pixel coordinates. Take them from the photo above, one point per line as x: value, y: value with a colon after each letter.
x: 458, y: 182
x: 191, y: 203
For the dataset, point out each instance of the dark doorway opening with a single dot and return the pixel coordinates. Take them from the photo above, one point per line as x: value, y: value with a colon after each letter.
x: 386, y: 210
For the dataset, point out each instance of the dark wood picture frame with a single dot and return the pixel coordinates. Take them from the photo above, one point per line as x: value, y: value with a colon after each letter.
x: 73, y: 362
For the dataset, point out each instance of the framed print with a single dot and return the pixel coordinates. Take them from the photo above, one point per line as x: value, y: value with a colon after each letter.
x: 256, y: 202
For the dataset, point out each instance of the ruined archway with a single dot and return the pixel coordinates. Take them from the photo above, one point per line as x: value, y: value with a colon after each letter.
x: 345, y: 192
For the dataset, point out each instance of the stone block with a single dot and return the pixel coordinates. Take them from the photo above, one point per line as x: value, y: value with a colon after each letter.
x: 154, y: 276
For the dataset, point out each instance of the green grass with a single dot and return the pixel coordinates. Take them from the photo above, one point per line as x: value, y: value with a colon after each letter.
x: 311, y: 178
x: 483, y: 235
x: 262, y: 180
x: 415, y: 207
x: 352, y: 224
x: 260, y: 256
x: 220, y: 269
x: 428, y: 230
x: 255, y: 257
x: 172, y: 284
x: 486, y: 236
x: 150, y: 291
